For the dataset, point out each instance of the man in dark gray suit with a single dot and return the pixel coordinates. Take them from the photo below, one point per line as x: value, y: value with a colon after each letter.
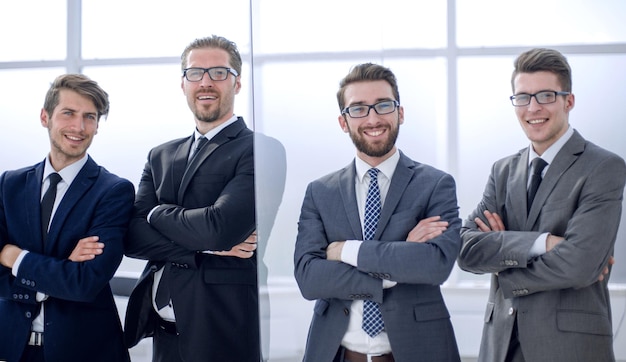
x: 375, y: 273
x: 549, y: 255
x: 194, y: 220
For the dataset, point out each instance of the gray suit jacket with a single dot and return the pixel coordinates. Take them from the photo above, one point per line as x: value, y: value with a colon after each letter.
x: 563, y: 312
x: 416, y: 318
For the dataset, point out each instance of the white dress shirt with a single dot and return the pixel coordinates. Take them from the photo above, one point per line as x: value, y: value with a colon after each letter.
x: 355, y: 338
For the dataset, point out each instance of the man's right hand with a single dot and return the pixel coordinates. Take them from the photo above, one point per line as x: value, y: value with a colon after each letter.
x: 86, y: 249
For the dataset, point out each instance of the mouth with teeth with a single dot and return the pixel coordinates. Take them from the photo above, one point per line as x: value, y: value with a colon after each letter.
x: 374, y: 132
x: 537, y: 121
x: 75, y: 139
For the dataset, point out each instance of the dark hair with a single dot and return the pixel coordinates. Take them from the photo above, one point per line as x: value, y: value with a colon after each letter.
x: 367, y: 72
x: 543, y: 59
x: 80, y: 84
x: 214, y: 41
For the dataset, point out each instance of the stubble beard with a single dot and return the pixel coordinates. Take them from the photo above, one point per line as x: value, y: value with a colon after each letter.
x: 375, y: 149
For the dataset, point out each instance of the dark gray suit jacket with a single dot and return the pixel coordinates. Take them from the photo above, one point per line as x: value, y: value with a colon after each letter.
x: 208, y: 206
x: 563, y: 312
x: 416, y: 318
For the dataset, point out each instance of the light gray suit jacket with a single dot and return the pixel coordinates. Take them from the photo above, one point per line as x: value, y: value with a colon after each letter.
x: 563, y: 312
x: 416, y: 318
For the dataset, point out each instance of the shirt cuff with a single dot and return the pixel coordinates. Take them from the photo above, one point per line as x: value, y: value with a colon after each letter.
x: 350, y: 252
x: 18, y: 261
x: 539, y: 246
x: 150, y: 213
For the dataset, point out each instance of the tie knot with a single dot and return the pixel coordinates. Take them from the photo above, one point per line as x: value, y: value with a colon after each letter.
x: 200, y: 142
x: 373, y: 173
x: 54, y: 178
x: 537, y: 165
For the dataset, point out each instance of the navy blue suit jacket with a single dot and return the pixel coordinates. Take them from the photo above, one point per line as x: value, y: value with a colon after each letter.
x: 81, y: 319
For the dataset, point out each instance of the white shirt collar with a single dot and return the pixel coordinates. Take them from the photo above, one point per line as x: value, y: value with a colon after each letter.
x: 551, y: 152
x: 387, y: 167
x: 69, y: 173
x: 215, y: 130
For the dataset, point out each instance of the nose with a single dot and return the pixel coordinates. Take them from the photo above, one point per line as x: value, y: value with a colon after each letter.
x: 534, y: 105
x: 206, y: 80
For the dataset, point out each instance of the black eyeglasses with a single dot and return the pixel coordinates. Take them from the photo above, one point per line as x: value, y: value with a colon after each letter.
x: 363, y: 110
x: 543, y: 97
x: 215, y: 73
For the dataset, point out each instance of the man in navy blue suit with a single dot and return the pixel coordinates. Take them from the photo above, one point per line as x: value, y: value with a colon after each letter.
x: 55, y: 300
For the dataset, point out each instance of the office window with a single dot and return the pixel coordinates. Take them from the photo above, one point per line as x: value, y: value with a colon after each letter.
x: 33, y: 32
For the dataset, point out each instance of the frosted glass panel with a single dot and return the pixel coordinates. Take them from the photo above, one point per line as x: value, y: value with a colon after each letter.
x: 539, y: 22
x: 145, y: 28
x: 32, y: 30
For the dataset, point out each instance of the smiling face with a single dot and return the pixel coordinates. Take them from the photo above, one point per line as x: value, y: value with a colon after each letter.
x: 543, y: 124
x: 374, y: 135
x: 212, y: 102
x: 71, y: 128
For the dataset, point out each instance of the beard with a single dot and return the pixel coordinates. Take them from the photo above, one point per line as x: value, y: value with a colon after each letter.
x: 378, y: 149
x: 207, y: 117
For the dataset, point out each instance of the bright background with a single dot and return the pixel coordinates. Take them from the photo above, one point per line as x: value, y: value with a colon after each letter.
x: 453, y: 60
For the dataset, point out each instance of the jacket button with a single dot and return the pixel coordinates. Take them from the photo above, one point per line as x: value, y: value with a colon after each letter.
x: 511, y: 311
x: 346, y: 311
x: 28, y: 315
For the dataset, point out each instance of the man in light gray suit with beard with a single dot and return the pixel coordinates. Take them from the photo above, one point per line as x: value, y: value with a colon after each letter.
x: 550, y: 255
x: 376, y: 239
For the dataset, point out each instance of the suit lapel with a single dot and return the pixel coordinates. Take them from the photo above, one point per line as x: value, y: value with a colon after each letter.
x: 399, y: 183
x: 76, y: 191
x: 219, y: 139
x: 561, y: 163
x: 33, y: 197
x: 517, y: 185
x: 347, y: 191
x: 179, y: 166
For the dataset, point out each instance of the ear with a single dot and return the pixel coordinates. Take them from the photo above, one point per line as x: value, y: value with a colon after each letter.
x: 400, y: 115
x: 43, y: 116
x: 343, y: 123
x: 237, y: 84
x: 570, y: 100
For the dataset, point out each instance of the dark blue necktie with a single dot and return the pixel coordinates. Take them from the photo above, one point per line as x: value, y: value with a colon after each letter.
x: 47, y: 203
x: 372, y: 318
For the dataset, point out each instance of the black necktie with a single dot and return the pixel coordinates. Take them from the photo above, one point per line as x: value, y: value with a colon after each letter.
x: 200, y: 142
x: 47, y: 203
x: 536, y: 167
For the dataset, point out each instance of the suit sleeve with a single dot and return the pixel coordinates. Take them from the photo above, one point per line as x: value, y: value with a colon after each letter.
x: 317, y: 277
x: 493, y: 251
x: 590, y: 236
x: 83, y: 281
x: 418, y: 263
x: 221, y: 225
x: 143, y: 241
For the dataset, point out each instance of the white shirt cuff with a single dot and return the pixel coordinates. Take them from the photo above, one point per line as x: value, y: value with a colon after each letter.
x: 18, y: 261
x: 150, y: 213
x: 350, y: 252
x: 539, y: 246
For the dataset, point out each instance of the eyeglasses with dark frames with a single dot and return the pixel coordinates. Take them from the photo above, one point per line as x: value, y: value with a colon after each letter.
x: 543, y: 97
x: 363, y: 110
x: 215, y: 73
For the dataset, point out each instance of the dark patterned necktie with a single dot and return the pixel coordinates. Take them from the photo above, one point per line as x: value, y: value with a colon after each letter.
x: 536, y: 167
x: 372, y: 318
x: 47, y: 203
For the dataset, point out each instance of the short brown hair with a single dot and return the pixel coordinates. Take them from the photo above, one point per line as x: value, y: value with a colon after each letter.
x: 543, y: 59
x: 214, y: 41
x: 80, y: 84
x: 367, y: 72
